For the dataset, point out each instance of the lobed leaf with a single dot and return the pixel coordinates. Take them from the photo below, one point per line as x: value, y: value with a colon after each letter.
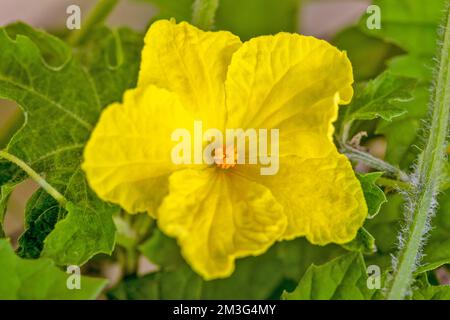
x: 61, y: 102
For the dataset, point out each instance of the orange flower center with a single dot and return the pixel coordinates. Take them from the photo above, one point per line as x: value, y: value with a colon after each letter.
x: 225, y: 157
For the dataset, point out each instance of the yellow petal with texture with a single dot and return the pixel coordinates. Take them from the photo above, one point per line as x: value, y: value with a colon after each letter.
x: 218, y: 217
x: 128, y: 157
x: 321, y: 197
x: 192, y: 63
x: 288, y: 81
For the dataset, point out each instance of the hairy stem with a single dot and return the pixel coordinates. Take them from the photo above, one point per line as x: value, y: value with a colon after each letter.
x: 35, y: 176
x: 97, y: 15
x: 421, y: 203
x: 204, y: 12
x: 378, y: 164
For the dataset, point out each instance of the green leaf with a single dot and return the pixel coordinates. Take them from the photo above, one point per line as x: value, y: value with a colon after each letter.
x: 73, y: 99
x: 112, y: 58
x: 420, y: 68
x: 382, y: 97
x: 39, y: 279
x: 432, y: 293
x: 344, y: 278
x: 203, y: 13
x: 423, y: 290
x: 364, y: 242
x: 249, y: 281
x: 54, y: 52
x: 374, y: 196
x: 10, y: 176
x: 81, y: 234
x: 402, y: 134
x: 41, y: 214
x: 296, y: 256
x: 5, y: 193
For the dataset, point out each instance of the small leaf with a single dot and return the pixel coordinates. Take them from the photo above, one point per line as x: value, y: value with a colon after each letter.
x: 364, y: 243
x: 374, y: 196
x: 380, y: 98
x: 39, y: 279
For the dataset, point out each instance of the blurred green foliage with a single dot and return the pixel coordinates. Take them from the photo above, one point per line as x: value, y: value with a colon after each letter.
x: 246, y: 19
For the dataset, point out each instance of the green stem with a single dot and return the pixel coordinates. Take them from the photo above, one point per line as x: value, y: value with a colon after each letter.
x: 131, y: 262
x: 374, y: 162
x: 429, y: 168
x: 345, y: 131
x: 204, y: 12
x: 97, y: 15
x: 395, y: 184
x: 143, y: 226
x: 35, y: 176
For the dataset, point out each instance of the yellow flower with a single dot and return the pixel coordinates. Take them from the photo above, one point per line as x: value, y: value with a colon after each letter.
x: 222, y: 212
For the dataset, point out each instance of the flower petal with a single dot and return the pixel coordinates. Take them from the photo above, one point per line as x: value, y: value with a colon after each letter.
x: 287, y: 81
x: 191, y: 62
x: 321, y: 197
x: 128, y: 156
x: 217, y: 217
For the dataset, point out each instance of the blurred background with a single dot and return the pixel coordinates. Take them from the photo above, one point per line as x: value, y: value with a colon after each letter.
x: 320, y: 18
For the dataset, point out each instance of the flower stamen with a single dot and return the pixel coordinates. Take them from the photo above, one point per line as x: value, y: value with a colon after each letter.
x: 225, y: 157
